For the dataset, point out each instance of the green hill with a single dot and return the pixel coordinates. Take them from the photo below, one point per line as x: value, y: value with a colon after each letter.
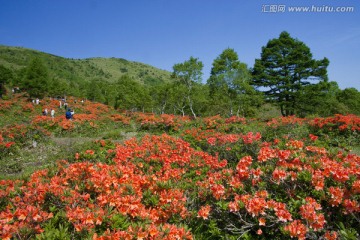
x: 109, y: 69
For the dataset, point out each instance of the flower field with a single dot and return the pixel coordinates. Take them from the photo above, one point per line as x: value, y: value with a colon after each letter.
x: 209, y: 178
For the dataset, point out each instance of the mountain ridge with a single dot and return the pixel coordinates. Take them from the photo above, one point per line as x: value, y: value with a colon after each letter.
x: 109, y: 69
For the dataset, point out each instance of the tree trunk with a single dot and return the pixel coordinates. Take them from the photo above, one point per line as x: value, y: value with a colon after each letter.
x: 163, y: 107
x: 191, y: 107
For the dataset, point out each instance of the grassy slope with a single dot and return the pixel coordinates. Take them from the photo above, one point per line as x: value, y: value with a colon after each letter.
x: 64, y: 68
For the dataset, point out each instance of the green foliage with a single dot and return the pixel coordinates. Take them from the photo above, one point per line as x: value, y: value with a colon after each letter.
x: 131, y: 95
x: 149, y: 199
x: 285, y: 67
x: 207, y: 230
x: 119, y: 221
x: 350, y: 97
x: 347, y: 233
x: 6, y: 76
x: 81, y: 70
x: 188, y: 74
x: 197, y: 175
x: 36, y: 80
x: 57, y: 228
x: 319, y: 99
x: 229, y: 88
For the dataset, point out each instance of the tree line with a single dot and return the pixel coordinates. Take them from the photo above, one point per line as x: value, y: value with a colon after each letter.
x: 285, y: 76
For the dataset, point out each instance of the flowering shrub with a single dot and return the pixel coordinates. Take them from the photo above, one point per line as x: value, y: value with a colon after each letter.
x: 5, y: 105
x: 289, y: 190
x: 340, y: 122
x: 224, y: 178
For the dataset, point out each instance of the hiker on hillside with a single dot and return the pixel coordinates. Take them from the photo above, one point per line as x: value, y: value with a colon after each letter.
x: 72, y: 113
x: 52, y: 113
x: 68, y: 114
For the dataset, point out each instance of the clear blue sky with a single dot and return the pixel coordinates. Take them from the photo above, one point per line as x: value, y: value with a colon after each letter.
x: 164, y: 32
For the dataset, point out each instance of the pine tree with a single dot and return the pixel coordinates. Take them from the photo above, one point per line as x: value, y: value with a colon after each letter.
x: 285, y: 67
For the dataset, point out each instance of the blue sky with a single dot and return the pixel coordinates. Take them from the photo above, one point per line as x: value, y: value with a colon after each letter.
x: 165, y: 32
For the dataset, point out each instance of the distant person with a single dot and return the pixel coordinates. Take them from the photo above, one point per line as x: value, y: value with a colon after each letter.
x: 68, y: 114
x: 65, y: 105
x: 52, y: 113
x: 37, y: 101
x: 72, y: 114
x: 46, y: 112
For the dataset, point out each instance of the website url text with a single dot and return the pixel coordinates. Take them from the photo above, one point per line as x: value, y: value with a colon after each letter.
x: 278, y: 8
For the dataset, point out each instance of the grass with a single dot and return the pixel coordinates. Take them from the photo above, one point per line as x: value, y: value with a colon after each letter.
x: 356, y: 150
x: 61, y: 68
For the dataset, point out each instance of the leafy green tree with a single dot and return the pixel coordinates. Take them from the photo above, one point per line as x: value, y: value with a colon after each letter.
x: 179, y: 98
x: 200, y: 96
x: 161, y: 96
x: 36, y: 79
x: 94, y: 92
x: 188, y: 74
x: 350, y: 97
x: 319, y: 99
x: 58, y: 87
x: 229, y: 87
x: 6, y: 76
x: 285, y: 67
x: 131, y: 95
x: 247, y: 100
x: 109, y: 92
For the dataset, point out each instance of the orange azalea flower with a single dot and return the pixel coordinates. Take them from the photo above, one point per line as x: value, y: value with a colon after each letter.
x: 266, y: 153
x: 211, y: 141
x: 218, y: 191
x: 204, y: 212
x: 283, y: 215
x: 318, y: 180
x: 153, y: 231
x: 279, y: 175
x: 36, y: 217
x: 256, y: 206
x: 356, y: 187
x: 234, y: 206
x: 330, y: 235
x: 296, y: 229
x: 351, y: 206
x: 250, y: 137
x: 295, y: 144
x: 262, y: 221
x: 9, y: 144
x: 313, y: 137
x: 90, y: 152
x: 336, y: 195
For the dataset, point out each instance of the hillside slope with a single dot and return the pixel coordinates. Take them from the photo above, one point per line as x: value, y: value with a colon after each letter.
x: 110, y: 69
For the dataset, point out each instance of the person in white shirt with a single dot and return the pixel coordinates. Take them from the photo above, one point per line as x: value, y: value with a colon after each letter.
x: 52, y: 113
